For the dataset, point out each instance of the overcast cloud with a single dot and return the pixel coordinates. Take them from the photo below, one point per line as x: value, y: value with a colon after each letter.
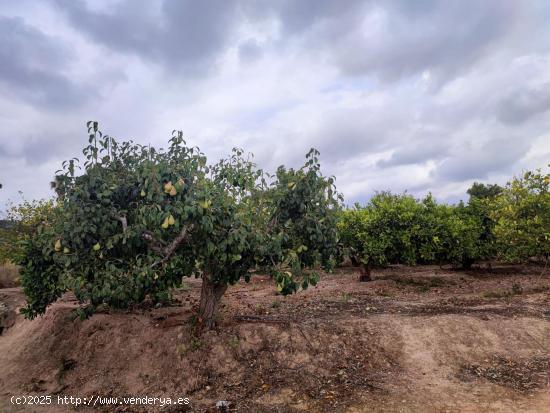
x: 424, y: 96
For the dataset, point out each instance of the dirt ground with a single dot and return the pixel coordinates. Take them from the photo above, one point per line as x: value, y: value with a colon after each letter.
x: 419, y: 339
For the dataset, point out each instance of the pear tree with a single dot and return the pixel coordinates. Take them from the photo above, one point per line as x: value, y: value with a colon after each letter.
x: 133, y: 221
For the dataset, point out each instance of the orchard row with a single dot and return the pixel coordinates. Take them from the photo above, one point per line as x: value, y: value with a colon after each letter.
x: 131, y: 222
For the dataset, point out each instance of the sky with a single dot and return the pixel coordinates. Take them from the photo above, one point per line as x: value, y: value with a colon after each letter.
x: 423, y: 96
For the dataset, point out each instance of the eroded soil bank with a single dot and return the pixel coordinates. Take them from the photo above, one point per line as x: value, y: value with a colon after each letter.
x: 417, y: 339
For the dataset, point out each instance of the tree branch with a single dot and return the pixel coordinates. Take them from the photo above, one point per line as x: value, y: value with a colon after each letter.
x: 160, y: 247
x: 154, y: 243
x: 171, y: 248
x: 271, y: 224
x: 124, y: 222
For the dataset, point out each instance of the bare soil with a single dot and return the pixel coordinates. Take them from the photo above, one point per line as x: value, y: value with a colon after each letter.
x: 421, y: 339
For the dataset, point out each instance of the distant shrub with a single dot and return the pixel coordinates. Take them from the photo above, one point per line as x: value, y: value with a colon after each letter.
x: 483, y: 191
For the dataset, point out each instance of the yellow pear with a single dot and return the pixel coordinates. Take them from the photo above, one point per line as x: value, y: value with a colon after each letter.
x: 171, y: 220
x: 168, y: 187
x: 58, y: 245
x: 165, y: 224
x: 173, y: 191
x: 143, y: 193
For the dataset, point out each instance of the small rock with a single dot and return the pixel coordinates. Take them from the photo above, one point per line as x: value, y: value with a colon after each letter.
x: 223, y: 405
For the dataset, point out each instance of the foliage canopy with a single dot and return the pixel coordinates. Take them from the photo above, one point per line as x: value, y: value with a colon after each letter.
x: 399, y: 229
x: 137, y: 219
x: 522, y: 215
x: 21, y: 222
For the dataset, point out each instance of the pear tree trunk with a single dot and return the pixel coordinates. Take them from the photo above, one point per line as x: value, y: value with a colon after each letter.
x: 211, y: 294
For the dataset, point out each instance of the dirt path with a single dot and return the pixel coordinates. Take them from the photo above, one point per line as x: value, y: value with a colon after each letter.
x: 414, y: 340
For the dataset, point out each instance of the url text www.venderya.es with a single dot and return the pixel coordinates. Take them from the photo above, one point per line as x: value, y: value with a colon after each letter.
x: 97, y: 401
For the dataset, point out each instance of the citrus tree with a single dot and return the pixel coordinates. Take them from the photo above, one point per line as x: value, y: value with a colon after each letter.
x: 480, y: 206
x: 522, y: 215
x: 399, y: 229
x: 457, y: 236
x: 21, y: 222
x: 382, y: 232
x: 135, y: 220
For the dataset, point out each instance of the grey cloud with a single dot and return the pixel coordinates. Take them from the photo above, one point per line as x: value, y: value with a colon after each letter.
x: 522, y: 105
x: 300, y: 16
x: 249, y: 51
x: 42, y: 147
x: 340, y: 134
x: 416, y: 153
x: 391, y: 39
x: 399, y: 38
x: 32, y: 67
x: 446, y: 38
x: 373, y: 103
x: 348, y: 133
x: 184, y: 34
x: 469, y: 162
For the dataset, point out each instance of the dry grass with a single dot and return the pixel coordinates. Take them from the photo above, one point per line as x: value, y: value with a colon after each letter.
x: 9, y: 275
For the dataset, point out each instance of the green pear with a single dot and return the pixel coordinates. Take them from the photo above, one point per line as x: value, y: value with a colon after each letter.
x: 205, y: 204
x: 96, y: 247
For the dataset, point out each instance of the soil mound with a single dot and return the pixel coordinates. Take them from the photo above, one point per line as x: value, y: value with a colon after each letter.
x: 400, y: 343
